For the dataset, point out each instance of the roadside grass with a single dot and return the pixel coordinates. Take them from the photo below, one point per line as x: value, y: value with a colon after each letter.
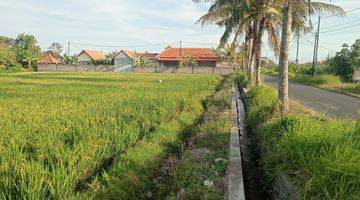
x: 71, y: 135
x: 200, y: 169
x: 319, y: 154
x: 325, y: 81
x: 329, y: 82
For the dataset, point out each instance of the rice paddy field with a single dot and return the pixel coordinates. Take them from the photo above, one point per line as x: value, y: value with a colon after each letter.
x: 84, y: 135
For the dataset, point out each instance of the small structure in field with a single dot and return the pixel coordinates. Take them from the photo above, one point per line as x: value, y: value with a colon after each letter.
x: 123, y: 60
x: 356, y: 76
x: 85, y: 57
x: 172, y: 57
x: 49, y: 59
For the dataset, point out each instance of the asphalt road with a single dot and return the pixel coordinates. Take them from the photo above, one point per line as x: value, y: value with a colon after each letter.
x: 333, y: 104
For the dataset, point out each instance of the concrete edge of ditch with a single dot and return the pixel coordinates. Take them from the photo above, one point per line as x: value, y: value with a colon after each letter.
x: 282, y: 187
x: 236, y: 189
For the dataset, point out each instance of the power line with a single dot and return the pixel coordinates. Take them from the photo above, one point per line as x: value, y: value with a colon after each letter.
x: 199, y: 43
x: 340, y: 26
x: 310, y: 42
x: 120, y: 46
x: 349, y: 11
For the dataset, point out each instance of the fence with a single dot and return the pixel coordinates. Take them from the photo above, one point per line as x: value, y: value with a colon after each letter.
x: 186, y: 70
x: 74, y: 68
x: 157, y: 69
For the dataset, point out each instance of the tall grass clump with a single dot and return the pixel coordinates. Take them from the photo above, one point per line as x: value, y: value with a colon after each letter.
x: 262, y: 105
x: 320, y: 155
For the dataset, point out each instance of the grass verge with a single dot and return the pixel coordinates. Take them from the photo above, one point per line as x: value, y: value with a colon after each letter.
x: 199, y: 170
x: 325, y: 81
x: 320, y: 155
x: 330, y: 82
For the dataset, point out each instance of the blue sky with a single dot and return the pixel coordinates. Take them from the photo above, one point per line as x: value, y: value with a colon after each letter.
x: 143, y: 25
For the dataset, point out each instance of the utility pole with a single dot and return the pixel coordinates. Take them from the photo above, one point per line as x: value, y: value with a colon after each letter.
x: 316, y: 48
x: 68, y: 49
x: 297, y: 53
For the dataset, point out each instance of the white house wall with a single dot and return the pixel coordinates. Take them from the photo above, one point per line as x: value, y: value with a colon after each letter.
x: 83, y: 57
x: 122, y: 63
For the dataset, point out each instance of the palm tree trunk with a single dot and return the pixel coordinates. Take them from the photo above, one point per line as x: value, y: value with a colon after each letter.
x: 258, y: 49
x: 284, y: 59
x: 250, y: 64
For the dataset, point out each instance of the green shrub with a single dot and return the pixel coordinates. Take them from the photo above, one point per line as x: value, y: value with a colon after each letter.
x: 7, y: 58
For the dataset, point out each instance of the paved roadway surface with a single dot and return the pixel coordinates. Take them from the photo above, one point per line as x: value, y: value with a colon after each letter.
x: 331, y: 103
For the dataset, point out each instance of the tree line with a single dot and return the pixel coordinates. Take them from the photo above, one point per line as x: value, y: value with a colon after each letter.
x: 21, y: 51
x: 247, y: 22
x: 24, y: 52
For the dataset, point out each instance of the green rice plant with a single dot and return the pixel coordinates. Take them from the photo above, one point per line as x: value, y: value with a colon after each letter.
x: 59, y: 131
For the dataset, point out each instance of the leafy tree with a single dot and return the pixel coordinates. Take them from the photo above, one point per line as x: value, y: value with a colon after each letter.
x: 56, y: 48
x: 70, y: 59
x: 232, y: 55
x: 29, y: 59
x: 346, y: 60
x: 26, y: 49
x: 7, y: 57
x: 186, y: 61
x: 139, y: 62
x: 6, y: 41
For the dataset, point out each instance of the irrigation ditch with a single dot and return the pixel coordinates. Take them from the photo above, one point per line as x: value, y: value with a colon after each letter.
x: 252, y: 186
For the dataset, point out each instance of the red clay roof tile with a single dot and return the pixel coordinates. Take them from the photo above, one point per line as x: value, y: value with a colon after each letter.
x: 200, y: 54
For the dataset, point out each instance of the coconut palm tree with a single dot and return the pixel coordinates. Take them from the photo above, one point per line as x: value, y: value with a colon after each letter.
x: 249, y: 18
x: 293, y: 10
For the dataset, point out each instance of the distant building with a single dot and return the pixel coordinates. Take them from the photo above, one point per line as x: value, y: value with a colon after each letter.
x: 52, y: 53
x: 85, y: 57
x: 123, y: 60
x: 49, y: 59
x: 205, y: 57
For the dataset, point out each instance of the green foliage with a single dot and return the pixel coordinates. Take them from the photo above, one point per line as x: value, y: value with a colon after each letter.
x: 342, y: 64
x: 231, y: 55
x: 139, y: 62
x: 321, y: 155
x: 102, y: 62
x: 241, y: 79
x: 186, y: 61
x: 330, y: 82
x: 201, y: 170
x: 6, y: 41
x: 263, y: 105
x: 27, y: 51
x: 59, y: 130
x: 70, y: 59
x: 7, y: 58
x: 56, y: 48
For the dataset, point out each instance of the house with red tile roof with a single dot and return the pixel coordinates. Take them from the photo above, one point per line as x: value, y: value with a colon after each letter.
x: 87, y: 56
x: 49, y: 59
x: 205, y: 57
